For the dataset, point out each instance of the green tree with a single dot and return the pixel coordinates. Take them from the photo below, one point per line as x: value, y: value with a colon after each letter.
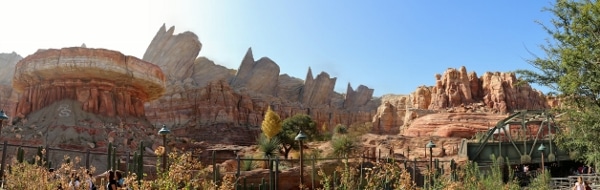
x: 571, y: 67
x: 291, y: 127
x: 271, y: 125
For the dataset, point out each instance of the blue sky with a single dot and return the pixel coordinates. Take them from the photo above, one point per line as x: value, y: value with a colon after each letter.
x: 391, y: 46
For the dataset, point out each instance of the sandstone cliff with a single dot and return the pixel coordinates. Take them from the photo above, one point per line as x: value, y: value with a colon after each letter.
x: 257, y: 76
x: 459, y: 104
x: 225, y: 99
x: 105, y: 82
x: 174, y: 54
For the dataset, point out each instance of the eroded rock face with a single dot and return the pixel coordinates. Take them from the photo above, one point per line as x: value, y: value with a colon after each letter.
x: 360, y: 97
x: 8, y: 97
x: 257, y: 76
x: 499, y: 91
x: 174, y: 54
x: 105, y: 82
x: 205, y: 71
x: 465, y: 97
x: 317, y: 91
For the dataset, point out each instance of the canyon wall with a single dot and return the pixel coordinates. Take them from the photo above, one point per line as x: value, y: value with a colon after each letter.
x: 202, y: 99
x: 214, y: 97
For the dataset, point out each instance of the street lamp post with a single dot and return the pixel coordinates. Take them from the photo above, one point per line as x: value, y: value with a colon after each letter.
x: 541, y: 149
x: 164, y: 132
x: 301, y: 137
x: 430, y: 145
x: 3, y: 117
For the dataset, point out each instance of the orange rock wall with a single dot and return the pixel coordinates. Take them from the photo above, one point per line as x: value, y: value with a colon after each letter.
x: 96, y: 96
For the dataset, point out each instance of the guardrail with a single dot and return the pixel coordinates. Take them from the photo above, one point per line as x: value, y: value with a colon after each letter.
x: 567, y: 183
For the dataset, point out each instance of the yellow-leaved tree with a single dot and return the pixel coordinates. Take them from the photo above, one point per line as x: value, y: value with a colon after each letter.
x: 271, y: 125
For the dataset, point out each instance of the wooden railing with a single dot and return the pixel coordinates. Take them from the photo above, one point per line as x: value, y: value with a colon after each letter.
x: 567, y: 183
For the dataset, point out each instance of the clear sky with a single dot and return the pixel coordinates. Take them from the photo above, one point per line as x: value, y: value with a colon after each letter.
x: 392, y: 46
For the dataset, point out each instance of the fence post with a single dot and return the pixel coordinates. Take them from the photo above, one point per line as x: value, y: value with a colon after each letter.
x: 276, y: 173
x: 237, y: 173
x: 108, y: 159
x: 414, y: 170
x: 362, y: 159
x: 4, y: 150
x: 215, y: 169
x: 87, y: 159
x: 314, y: 158
x: 379, y: 155
x: 127, y: 162
x: 49, y: 163
x: 271, y: 174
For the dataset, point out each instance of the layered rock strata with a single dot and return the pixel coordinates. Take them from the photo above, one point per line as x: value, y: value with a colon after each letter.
x: 459, y: 104
x: 105, y: 82
x: 226, y: 99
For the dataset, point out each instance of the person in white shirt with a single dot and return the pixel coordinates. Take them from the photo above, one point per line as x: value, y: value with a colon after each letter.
x: 579, y: 185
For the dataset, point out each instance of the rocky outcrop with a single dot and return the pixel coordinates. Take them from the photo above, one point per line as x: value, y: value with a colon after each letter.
x: 105, y: 82
x: 360, y: 97
x: 8, y: 62
x: 289, y: 87
x: 317, y: 91
x: 390, y: 114
x: 174, y: 54
x: 463, y: 125
x: 462, y: 95
x: 502, y: 92
x: 8, y: 97
x: 205, y: 71
x: 257, y: 76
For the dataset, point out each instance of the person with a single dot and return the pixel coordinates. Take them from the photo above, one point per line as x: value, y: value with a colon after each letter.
x: 74, y: 182
x: 120, y: 179
x: 579, y: 185
x: 587, y: 185
x: 90, y: 180
x: 112, y: 179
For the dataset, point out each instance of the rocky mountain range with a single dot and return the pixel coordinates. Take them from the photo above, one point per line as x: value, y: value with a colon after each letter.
x: 203, y: 101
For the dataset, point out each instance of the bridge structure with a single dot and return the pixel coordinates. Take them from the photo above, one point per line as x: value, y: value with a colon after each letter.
x: 517, y: 139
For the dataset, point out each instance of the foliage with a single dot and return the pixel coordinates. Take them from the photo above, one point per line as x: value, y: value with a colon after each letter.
x: 343, y: 145
x: 185, y: 172
x: 268, y: 147
x: 340, y: 129
x: 571, y: 67
x: 472, y: 178
x: 359, y: 129
x: 271, y: 125
x: 291, y: 127
x: 23, y: 175
x: 247, y: 164
x: 541, y: 182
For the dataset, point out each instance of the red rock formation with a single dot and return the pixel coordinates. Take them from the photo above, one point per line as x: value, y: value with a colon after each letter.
x: 459, y: 93
x: 105, y: 82
x: 498, y: 91
x: 317, y: 91
x: 357, y: 98
x: 174, y: 54
x: 463, y: 125
x: 257, y: 76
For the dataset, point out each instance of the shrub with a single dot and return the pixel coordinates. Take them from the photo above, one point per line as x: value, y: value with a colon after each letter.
x: 343, y: 145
